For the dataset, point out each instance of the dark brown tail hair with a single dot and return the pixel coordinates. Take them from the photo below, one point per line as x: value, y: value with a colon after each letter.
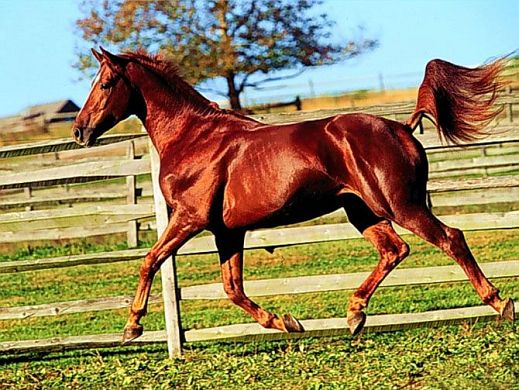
x: 458, y: 100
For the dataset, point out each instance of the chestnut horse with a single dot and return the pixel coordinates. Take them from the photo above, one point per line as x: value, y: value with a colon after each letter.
x: 228, y: 173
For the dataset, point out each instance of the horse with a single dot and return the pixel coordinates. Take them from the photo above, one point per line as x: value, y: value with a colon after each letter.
x: 227, y: 173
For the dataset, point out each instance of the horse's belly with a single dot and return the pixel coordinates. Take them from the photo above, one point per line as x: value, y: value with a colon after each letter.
x: 301, y: 210
x: 309, y: 201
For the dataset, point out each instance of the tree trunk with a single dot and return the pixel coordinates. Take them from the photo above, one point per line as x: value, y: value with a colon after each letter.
x: 233, y: 93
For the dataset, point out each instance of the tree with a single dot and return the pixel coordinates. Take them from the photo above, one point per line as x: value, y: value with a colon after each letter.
x: 233, y: 39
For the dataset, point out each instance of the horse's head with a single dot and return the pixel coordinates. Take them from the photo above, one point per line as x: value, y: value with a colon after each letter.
x: 109, y: 100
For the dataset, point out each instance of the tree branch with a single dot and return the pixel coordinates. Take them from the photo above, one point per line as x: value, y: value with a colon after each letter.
x: 243, y: 19
x: 256, y: 84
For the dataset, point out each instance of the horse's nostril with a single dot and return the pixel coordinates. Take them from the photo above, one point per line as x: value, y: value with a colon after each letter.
x: 77, y: 134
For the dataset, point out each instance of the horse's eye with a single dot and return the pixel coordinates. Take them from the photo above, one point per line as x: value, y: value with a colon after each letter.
x: 105, y: 85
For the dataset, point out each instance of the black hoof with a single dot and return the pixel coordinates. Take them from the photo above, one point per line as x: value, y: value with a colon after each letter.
x: 508, y: 312
x: 291, y: 324
x: 131, y: 333
x: 356, y: 322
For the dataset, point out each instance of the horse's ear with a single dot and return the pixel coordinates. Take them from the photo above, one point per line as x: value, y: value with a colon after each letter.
x: 115, y: 62
x: 98, y: 56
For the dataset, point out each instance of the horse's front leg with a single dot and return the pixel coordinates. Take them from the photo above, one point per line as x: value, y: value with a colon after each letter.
x: 230, y: 248
x: 180, y: 229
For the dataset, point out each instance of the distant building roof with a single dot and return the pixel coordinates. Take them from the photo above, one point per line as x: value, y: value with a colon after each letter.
x: 48, y: 109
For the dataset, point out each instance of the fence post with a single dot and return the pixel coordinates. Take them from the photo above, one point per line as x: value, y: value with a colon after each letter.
x: 132, y: 235
x: 168, y: 272
x: 28, y: 194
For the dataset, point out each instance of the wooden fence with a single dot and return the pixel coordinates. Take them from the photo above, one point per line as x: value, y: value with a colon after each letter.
x: 444, y: 192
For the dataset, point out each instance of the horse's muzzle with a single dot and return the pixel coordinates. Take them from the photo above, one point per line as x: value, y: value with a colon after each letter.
x: 83, y: 137
x: 78, y: 135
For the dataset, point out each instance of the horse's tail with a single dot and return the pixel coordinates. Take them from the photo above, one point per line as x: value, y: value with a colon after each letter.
x: 458, y: 100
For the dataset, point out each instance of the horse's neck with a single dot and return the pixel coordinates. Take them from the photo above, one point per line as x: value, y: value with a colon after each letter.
x: 169, y: 118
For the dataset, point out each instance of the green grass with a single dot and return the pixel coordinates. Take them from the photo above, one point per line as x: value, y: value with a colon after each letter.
x: 448, y: 357
x: 473, y: 357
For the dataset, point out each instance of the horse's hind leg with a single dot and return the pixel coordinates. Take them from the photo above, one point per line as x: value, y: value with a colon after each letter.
x: 422, y: 222
x: 392, y: 250
x: 230, y: 248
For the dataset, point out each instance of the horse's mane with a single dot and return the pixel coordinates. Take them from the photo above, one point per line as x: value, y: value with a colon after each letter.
x: 170, y: 73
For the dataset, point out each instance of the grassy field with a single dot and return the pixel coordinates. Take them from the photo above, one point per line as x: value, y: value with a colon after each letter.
x: 474, y: 356
x: 471, y: 357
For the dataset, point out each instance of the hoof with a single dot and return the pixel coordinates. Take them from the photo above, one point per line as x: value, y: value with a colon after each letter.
x: 356, y: 322
x: 131, y: 333
x: 508, y: 311
x: 291, y: 324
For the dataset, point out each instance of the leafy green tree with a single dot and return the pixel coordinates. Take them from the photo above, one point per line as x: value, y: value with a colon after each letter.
x: 237, y: 40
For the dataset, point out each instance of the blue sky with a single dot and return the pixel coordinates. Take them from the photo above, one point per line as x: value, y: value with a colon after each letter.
x: 37, y: 43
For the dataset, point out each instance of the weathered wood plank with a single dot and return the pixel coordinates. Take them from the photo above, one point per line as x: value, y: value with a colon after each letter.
x: 253, y: 331
x: 117, y: 149
x: 482, y: 221
x: 481, y: 162
x: 449, y: 185
x: 59, y: 145
x: 67, y: 233
x: 270, y: 287
x: 60, y: 200
x: 40, y: 165
x: 58, y: 344
x: 59, y: 195
x: 60, y: 308
x: 77, y: 173
x: 480, y: 171
x: 479, y: 197
x: 498, y: 135
x: 71, y: 261
x: 321, y: 283
x: 60, y: 218
x: 468, y: 152
x: 337, y: 326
